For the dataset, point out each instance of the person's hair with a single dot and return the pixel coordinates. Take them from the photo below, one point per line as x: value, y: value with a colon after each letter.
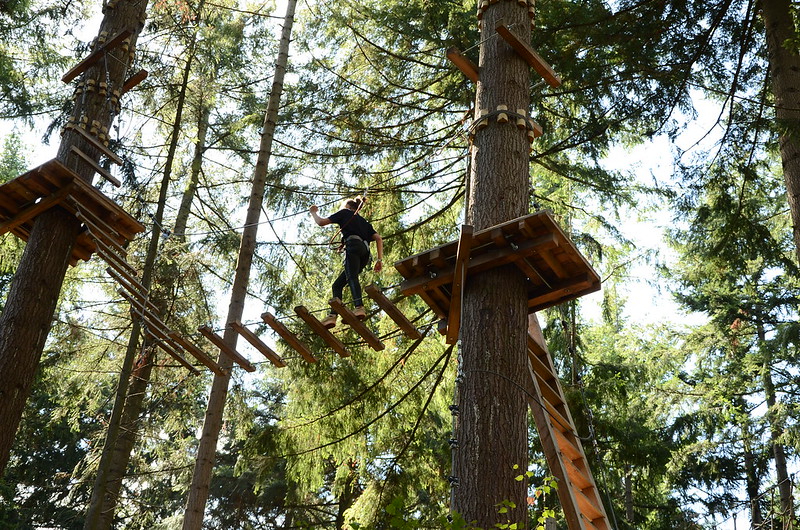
x: 354, y: 203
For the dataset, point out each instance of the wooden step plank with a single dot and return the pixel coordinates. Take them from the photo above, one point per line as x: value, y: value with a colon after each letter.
x: 588, y: 506
x: 96, y: 55
x: 198, y: 354
x: 467, y: 67
x: 133, y: 287
x: 465, y: 243
x: 172, y: 352
x: 329, y: 338
x: 258, y: 344
x: 98, y: 229
x: 288, y: 336
x: 529, y: 55
x: 577, y: 476
x: 134, y: 80
x: 226, y: 348
x: 35, y: 209
x: 356, y: 324
x: 95, y: 141
x: 95, y: 166
x: 393, y: 312
x: 566, y: 443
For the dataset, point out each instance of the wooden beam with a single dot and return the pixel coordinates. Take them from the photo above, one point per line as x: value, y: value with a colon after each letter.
x: 225, y: 348
x: 102, y: 232
x: 172, y: 352
x: 358, y: 326
x: 288, y: 336
x: 529, y: 55
x: 257, y: 343
x: 483, y: 262
x: 329, y: 338
x: 467, y: 67
x: 132, y: 286
x: 394, y: 313
x: 35, y: 209
x: 133, y: 80
x: 459, y: 278
x: 96, y: 55
x: 94, y: 165
x: 111, y: 155
x: 199, y: 354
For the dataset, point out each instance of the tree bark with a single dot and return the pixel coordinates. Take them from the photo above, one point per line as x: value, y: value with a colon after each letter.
x: 206, y: 453
x: 185, y: 208
x: 776, y: 431
x: 784, y: 66
x: 28, y: 315
x: 492, y: 421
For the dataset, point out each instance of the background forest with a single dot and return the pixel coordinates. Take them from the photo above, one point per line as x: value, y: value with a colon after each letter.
x: 689, y: 423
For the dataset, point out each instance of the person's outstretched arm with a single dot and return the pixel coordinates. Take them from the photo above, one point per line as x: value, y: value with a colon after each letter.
x: 379, y: 245
x: 321, y: 221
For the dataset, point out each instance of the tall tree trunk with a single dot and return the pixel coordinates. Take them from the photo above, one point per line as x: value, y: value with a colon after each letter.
x: 775, y: 431
x: 629, y: 513
x: 206, y: 453
x: 784, y: 65
x: 117, y: 448
x: 752, y: 482
x: 26, y: 320
x: 185, y: 208
x: 492, y: 429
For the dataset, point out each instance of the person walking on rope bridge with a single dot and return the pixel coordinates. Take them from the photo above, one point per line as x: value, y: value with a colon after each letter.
x: 357, y: 233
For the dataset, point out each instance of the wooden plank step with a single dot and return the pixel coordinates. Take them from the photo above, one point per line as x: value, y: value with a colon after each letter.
x: 258, y: 344
x: 467, y: 67
x: 227, y: 349
x: 526, y: 52
x: 172, y: 352
x: 567, y: 446
x: 96, y: 55
x: 96, y: 142
x: 133, y: 287
x: 98, y: 229
x: 465, y: 243
x: 288, y: 336
x: 588, y: 506
x: 393, y: 312
x: 198, y: 354
x: 134, y: 80
x: 356, y: 324
x: 94, y: 165
x: 329, y: 338
x: 577, y: 476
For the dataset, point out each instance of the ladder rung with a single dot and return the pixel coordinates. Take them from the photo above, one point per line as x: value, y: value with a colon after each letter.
x: 95, y: 56
x: 394, y: 313
x: 357, y: 326
x: 94, y: 165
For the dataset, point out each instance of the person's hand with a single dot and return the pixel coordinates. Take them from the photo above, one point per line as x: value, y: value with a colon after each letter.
x: 313, y: 209
x: 378, y: 265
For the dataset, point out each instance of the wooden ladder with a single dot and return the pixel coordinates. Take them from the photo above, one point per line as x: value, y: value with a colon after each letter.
x: 577, y: 491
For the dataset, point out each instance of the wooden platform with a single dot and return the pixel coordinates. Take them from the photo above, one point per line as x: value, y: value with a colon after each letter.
x: 51, y: 184
x: 556, y: 271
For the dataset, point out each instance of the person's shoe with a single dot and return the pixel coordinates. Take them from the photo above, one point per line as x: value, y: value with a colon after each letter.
x: 329, y: 321
x: 360, y: 313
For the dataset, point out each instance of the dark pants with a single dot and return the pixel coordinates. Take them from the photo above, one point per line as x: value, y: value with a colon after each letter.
x: 356, y: 258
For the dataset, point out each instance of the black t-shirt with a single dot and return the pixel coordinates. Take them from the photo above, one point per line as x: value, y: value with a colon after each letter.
x: 353, y: 224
